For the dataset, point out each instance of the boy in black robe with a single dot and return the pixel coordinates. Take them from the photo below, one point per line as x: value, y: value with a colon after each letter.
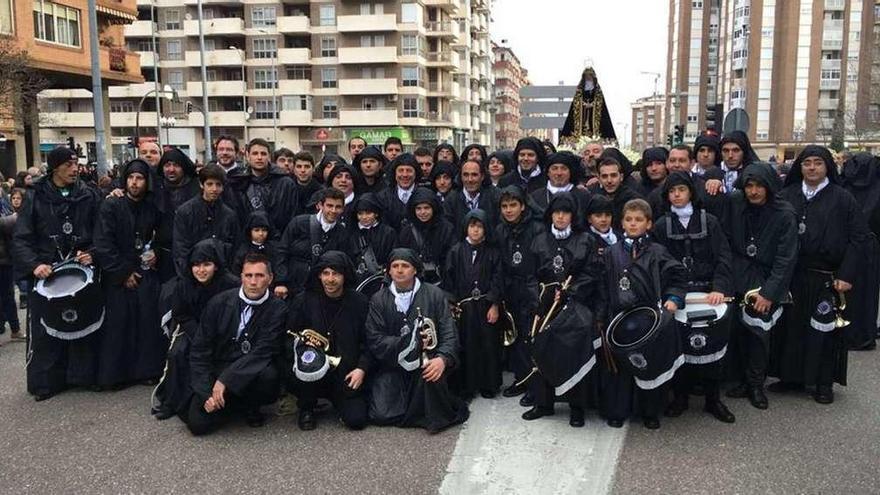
x: 409, y: 387
x: 600, y: 211
x: 640, y: 272
x: 442, y: 175
x: 232, y: 356
x: 370, y: 240
x: 403, y: 175
x: 473, y: 271
x: 304, y: 180
x: 763, y: 240
x: 204, y: 217
x: 428, y: 233
x: 306, y: 238
x: 833, y: 238
x: 258, y: 239
x: 562, y: 252
x: 695, y: 237
x: 132, y: 346
x: 614, y: 186
x: 518, y: 227
x: 331, y: 307
x: 182, y: 303
x: 56, y: 221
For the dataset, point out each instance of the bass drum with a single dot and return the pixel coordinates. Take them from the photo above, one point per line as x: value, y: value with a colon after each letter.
x: 73, y: 301
x: 704, y: 329
x: 645, y: 341
x: 372, y: 285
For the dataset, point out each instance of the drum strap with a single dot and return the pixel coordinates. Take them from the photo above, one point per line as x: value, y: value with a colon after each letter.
x: 317, y: 237
x: 368, y: 255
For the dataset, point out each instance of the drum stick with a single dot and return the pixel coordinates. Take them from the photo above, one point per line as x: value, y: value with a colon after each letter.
x: 705, y: 300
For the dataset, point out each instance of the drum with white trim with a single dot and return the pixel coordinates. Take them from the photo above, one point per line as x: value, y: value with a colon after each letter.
x: 704, y: 329
x: 73, y: 301
x: 644, y: 339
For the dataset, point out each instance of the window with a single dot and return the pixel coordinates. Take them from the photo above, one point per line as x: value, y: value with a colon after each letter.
x: 409, y: 76
x: 692, y: 118
x: 299, y: 72
x: 56, y: 23
x: 263, y: 16
x: 173, y: 50
x: 372, y: 72
x: 210, y: 44
x: 121, y: 106
x: 328, y: 15
x: 296, y: 103
x: 6, y: 16
x: 328, y: 47
x: 409, y: 44
x: 328, y: 77
x: 144, y: 46
x: 264, y: 109
x: 409, y: 13
x: 175, y: 79
x: 329, y: 110
x: 411, y: 108
x: 370, y: 103
x: 211, y: 74
x: 374, y: 40
x: 265, y: 79
x: 172, y: 19
x: 265, y: 48
x: 372, y: 8
x: 830, y: 74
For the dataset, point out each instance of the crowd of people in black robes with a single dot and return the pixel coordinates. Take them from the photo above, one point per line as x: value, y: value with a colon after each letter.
x: 428, y: 274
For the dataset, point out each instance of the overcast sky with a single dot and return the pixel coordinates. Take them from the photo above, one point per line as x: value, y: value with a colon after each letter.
x: 622, y: 38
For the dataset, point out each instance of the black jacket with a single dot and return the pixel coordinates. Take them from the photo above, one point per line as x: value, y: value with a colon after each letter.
x: 274, y: 194
x: 455, y: 207
x: 197, y: 220
x: 123, y: 230
x: 301, y: 245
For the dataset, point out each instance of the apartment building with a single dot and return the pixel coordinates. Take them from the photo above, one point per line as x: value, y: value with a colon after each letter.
x: 647, y: 122
x: 510, y: 77
x: 55, y: 35
x: 307, y: 74
x: 798, y: 68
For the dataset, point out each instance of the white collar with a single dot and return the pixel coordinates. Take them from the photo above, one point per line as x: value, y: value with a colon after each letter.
x: 325, y: 226
x: 468, y: 197
x: 811, y: 193
x: 252, y: 302
x: 555, y: 190
x: 609, y: 237
x: 535, y: 171
x: 367, y: 227
x: 403, y: 300
x: 405, y: 193
x: 560, y: 234
x: 684, y: 213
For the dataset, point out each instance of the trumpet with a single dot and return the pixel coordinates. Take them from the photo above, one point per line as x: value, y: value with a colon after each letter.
x: 313, y: 338
x: 750, y: 297
x: 839, y: 308
x: 428, y: 330
x: 456, y: 307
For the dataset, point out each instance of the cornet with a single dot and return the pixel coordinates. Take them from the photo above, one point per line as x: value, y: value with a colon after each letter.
x: 314, y: 339
x: 428, y: 330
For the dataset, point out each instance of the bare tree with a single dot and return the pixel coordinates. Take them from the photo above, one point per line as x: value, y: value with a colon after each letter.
x: 19, y: 85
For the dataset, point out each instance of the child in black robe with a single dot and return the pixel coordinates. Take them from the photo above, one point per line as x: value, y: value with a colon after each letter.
x: 640, y: 273
x: 428, y: 233
x: 473, y: 273
x: 370, y: 240
x: 258, y: 233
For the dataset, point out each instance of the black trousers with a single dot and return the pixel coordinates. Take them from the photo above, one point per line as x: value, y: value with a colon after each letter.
x: 351, y: 405
x: 519, y: 356
x: 697, y: 374
x: 620, y: 397
x: 752, y: 354
x: 545, y: 394
x: 263, y: 390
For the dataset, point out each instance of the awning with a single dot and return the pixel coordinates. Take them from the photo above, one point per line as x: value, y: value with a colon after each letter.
x: 120, y: 16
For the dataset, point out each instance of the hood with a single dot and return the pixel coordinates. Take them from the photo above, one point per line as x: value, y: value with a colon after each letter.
x: 419, y: 196
x: 562, y: 202
x: 324, y: 163
x: 571, y: 161
x: 742, y: 140
x: 138, y: 165
x: 338, y: 261
x: 483, y: 218
x: 208, y: 250
x: 474, y: 146
x: 600, y: 204
x: 179, y: 157
x: 505, y: 157
x: 446, y: 146
x: 764, y: 174
x: 796, y: 175
x: 680, y: 179
x: 257, y: 219
x: 861, y: 170
x: 368, y: 202
x: 534, y: 144
x: 403, y: 159
x: 440, y: 168
x: 711, y: 141
x: 620, y: 158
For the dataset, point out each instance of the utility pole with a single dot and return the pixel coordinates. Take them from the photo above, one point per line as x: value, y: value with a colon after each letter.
x: 205, y: 113
x: 97, y: 90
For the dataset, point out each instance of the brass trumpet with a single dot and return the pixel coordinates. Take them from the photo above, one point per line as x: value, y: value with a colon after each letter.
x: 750, y: 297
x: 839, y: 321
x: 427, y: 329
x: 314, y: 339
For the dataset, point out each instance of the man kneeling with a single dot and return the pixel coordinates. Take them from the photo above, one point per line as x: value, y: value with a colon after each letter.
x: 328, y: 318
x: 233, y: 352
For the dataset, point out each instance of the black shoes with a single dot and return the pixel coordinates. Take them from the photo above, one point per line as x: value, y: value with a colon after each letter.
x: 514, y: 390
x: 675, y: 408
x: 255, y: 418
x: 306, y: 420
x: 823, y: 394
x: 527, y: 400
x: 740, y: 391
x: 22, y: 303
x: 576, y: 417
x: 163, y: 414
x: 757, y: 397
x: 42, y: 397
x: 488, y: 394
x: 537, y: 412
x: 719, y: 411
x: 615, y: 423
x: 651, y: 423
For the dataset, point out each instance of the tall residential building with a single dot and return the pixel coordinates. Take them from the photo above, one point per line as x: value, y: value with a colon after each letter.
x: 55, y: 36
x: 798, y: 68
x: 307, y: 74
x: 647, y: 122
x: 510, y: 77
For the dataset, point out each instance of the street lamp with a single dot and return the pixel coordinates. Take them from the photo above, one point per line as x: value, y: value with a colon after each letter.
x: 244, y: 106
x: 168, y: 122
x: 168, y: 93
x: 205, y: 111
x: 274, y: 89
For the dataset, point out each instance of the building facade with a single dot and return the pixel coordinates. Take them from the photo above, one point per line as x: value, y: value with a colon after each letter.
x: 510, y: 77
x: 55, y: 36
x: 306, y: 74
x: 544, y: 109
x: 800, y: 69
x: 647, y: 124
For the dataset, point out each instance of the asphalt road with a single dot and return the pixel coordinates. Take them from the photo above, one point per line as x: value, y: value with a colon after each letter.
x: 85, y: 442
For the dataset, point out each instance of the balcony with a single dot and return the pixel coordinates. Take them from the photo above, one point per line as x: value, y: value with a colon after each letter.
x: 294, y: 56
x: 824, y: 123
x: 443, y: 59
x: 120, y: 66
x: 829, y: 84
x: 438, y: 88
x: 450, y: 6
x: 830, y: 64
x: 368, y: 55
x: 66, y: 119
x: 828, y: 103
x: 139, y: 29
x: 130, y: 119
x: 218, y: 119
x: 445, y: 29
x: 366, y: 23
x: 215, y: 88
x: 739, y: 63
x: 832, y: 44
x: 295, y: 118
x: 132, y: 90
x: 835, y: 4
x: 216, y: 58
x: 361, y: 117
x: 368, y: 86
x: 210, y: 27
x: 293, y: 24
x: 296, y: 87
x: 148, y: 59
x: 435, y: 117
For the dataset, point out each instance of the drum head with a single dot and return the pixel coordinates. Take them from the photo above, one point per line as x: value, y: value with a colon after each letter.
x: 634, y: 326
x: 698, y: 314
x: 64, y: 281
x: 372, y: 285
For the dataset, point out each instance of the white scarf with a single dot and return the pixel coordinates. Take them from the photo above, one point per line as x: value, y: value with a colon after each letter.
x: 811, y: 193
x: 472, y: 202
x: 248, y: 310
x: 609, y: 237
x: 560, y: 234
x: 555, y: 190
x: 403, y: 300
x: 325, y: 226
x: 367, y: 227
x: 349, y: 198
x: 684, y: 213
x: 404, y: 194
x: 535, y: 171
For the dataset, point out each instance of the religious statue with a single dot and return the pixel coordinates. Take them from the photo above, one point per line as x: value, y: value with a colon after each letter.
x: 588, y: 115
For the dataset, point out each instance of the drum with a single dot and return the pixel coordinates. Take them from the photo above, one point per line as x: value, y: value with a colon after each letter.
x: 310, y: 364
x: 645, y: 340
x: 372, y: 284
x: 564, y: 351
x: 73, y: 301
x: 704, y: 329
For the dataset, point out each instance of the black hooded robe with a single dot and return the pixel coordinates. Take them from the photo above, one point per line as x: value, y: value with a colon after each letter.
x: 431, y: 240
x: 132, y: 345
x: 268, y: 249
x: 303, y: 242
x: 582, y: 120
x: 173, y: 197
x: 197, y: 220
x: 273, y: 194
x: 403, y: 398
x: 54, y: 364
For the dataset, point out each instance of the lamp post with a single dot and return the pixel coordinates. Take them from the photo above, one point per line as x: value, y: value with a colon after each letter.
x: 244, y: 106
x: 274, y: 89
x: 168, y: 90
x: 155, y: 69
x: 205, y: 111
x: 168, y: 122
x: 97, y: 89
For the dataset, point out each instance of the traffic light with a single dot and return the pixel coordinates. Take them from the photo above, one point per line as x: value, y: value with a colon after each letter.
x: 70, y: 142
x: 189, y: 107
x: 132, y: 142
x: 714, y: 116
x: 669, y: 140
x: 679, y: 134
